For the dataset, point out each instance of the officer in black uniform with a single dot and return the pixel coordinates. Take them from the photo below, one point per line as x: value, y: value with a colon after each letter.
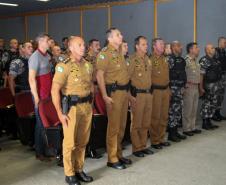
x: 221, y: 57
x: 210, y: 70
x: 178, y: 80
x: 18, y: 71
x: 9, y: 55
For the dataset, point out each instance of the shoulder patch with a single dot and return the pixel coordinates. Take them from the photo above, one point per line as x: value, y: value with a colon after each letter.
x: 63, y: 58
x: 101, y: 56
x: 60, y: 69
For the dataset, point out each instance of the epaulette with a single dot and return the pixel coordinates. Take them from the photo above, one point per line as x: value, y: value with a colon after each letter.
x: 104, y: 49
x: 63, y: 58
x: 85, y: 60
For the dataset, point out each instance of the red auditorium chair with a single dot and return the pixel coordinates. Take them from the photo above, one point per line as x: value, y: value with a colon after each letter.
x: 100, y: 104
x: 26, y: 117
x: 7, y: 112
x: 53, y: 127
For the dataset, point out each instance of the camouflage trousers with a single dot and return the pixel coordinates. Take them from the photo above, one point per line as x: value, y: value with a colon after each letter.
x: 175, y: 108
x: 210, y: 100
x: 221, y: 91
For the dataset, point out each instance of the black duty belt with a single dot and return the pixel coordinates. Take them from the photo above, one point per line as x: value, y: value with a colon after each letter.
x: 134, y: 91
x: 116, y: 86
x: 160, y: 87
x: 74, y: 99
x: 143, y: 90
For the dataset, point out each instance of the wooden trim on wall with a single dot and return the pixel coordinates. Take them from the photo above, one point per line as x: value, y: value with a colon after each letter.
x: 109, y: 17
x: 25, y: 28
x: 195, y: 20
x: 47, y: 23
x: 79, y: 8
x: 81, y: 23
x: 155, y: 18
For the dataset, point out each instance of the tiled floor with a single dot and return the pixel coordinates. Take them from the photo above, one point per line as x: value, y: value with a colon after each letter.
x: 200, y: 160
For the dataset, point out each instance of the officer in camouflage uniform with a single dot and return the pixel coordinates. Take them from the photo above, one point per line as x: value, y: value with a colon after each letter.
x: 221, y: 57
x: 210, y: 70
x: 11, y: 54
x: 178, y: 80
x: 18, y: 71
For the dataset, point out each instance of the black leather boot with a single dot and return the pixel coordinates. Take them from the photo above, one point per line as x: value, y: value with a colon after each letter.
x: 211, y: 125
x: 217, y: 116
x: 205, y: 124
x: 172, y: 135
x: 180, y: 136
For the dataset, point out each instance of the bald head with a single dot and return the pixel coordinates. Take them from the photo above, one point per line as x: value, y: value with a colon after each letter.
x: 210, y: 50
x: 76, y: 46
x: 13, y: 44
x: 176, y: 48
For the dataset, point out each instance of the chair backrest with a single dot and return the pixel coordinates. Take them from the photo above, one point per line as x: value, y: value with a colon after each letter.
x: 100, y: 104
x: 48, y: 113
x: 24, y: 104
x: 6, y: 97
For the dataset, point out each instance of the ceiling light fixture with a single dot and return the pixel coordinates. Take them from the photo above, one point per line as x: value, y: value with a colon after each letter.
x: 8, y: 4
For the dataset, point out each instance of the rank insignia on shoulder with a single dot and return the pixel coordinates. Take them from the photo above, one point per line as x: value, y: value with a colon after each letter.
x: 101, y: 56
x: 63, y: 58
x: 104, y: 49
x: 88, y: 67
x: 60, y: 69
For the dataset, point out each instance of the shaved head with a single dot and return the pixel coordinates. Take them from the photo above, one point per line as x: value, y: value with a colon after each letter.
x: 176, y: 47
x: 14, y: 44
x: 210, y: 50
x: 76, y: 46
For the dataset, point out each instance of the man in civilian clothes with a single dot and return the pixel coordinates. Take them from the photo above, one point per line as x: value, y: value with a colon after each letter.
x: 40, y: 80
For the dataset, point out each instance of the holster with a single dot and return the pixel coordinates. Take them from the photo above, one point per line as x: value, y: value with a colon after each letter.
x: 65, y: 104
x: 73, y: 100
x: 133, y: 91
x: 111, y: 88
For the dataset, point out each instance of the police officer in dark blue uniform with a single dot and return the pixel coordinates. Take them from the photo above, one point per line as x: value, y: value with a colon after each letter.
x: 221, y: 57
x: 178, y: 80
x: 210, y: 70
x: 10, y: 55
x: 18, y: 70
